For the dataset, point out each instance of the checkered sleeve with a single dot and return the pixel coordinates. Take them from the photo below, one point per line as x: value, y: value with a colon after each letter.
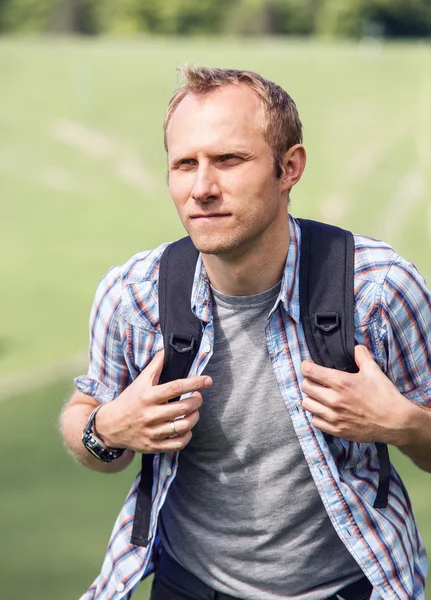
x: 405, y: 330
x: 108, y: 374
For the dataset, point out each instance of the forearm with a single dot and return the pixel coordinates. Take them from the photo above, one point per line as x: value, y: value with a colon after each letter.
x: 73, y: 419
x: 415, y: 440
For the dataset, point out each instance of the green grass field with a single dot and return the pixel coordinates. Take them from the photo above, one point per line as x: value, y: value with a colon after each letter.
x: 82, y: 187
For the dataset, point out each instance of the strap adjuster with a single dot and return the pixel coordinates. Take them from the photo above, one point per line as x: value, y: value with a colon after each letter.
x: 326, y: 321
x: 179, y: 343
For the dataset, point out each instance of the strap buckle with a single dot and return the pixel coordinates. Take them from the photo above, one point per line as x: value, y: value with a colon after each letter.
x: 326, y: 321
x: 179, y: 343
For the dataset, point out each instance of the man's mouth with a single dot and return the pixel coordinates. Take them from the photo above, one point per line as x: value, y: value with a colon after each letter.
x: 209, y: 215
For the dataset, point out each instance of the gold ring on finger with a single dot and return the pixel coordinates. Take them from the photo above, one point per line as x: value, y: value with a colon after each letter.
x: 174, y: 431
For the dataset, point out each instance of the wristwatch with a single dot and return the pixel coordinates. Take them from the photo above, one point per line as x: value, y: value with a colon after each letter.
x: 95, y: 445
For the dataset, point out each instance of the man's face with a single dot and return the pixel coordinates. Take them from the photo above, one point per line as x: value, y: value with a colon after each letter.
x: 221, y: 172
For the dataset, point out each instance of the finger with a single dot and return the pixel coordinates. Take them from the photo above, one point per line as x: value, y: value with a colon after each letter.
x: 179, y: 427
x: 168, y: 412
x: 318, y: 409
x: 151, y: 374
x: 323, y: 425
x: 364, y: 359
x: 318, y: 391
x: 330, y: 378
x: 315, y: 372
x: 173, y: 444
x: 168, y: 391
x: 322, y: 417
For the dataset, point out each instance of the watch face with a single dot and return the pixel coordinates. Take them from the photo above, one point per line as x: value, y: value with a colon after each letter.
x: 91, y: 444
x: 98, y: 449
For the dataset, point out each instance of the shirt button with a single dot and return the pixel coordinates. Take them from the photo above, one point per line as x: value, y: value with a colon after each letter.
x: 150, y: 535
x: 120, y: 587
x: 169, y: 471
x: 208, y: 348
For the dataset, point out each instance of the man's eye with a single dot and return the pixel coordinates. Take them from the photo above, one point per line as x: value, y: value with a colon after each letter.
x: 186, y: 163
x: 230, y: 159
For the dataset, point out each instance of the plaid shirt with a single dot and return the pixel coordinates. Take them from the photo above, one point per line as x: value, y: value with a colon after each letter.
x: 392, y: 318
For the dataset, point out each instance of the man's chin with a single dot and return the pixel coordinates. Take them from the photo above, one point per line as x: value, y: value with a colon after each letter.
x: 212, y: 246
x: 212, y: 249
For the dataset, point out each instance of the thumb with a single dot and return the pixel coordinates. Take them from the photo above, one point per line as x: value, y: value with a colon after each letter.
x: 151, y: 374
x: 363, y: 357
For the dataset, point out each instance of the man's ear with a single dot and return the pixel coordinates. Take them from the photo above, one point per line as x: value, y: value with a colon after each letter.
x: 292, y: 166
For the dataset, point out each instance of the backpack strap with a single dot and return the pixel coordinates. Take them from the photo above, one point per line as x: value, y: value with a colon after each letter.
x: 326, y: 284
x: 182, y: 334
x: 327, y: 294
x: 182, y: 330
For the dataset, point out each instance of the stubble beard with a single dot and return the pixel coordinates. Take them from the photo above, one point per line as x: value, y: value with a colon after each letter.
x: 216, y: 245
x: 229, y: 246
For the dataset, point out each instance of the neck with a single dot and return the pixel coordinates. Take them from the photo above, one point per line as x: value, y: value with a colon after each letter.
x: 251, y: 272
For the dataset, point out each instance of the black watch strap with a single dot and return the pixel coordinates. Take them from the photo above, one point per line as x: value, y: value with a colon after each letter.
x: 95, y: 445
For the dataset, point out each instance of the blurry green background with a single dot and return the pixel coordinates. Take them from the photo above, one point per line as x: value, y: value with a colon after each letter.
x: 82, y: 187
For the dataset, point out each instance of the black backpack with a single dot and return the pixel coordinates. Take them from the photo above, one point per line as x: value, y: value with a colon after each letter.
x: 326, y: 294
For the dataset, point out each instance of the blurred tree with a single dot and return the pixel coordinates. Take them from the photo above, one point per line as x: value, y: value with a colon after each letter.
x: 58, y: 16
x: 2, y: 23
x: 117, y: 17
x: 356, y: 18
x: 189, y: 16
x: 339, y: 17
x: 402, y: 17
x: 251, y: 17
x: 73, y: 16
x: 178, y: 17
x: 25, y: 15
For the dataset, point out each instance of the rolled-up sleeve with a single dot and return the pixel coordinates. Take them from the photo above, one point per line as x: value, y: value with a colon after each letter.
x: 108, y: 374
x: 406, y: 331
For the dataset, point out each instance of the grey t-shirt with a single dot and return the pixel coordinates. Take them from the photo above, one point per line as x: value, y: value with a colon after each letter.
x: 243, y: 513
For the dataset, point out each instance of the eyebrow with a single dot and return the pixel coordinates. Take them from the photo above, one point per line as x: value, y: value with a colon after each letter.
x: 216, y: 154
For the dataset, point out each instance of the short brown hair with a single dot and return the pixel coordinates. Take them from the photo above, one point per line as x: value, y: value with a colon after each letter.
x: 283, y: 128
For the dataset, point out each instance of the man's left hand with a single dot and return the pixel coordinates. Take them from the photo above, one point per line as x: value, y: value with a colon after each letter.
x: 360, y: 407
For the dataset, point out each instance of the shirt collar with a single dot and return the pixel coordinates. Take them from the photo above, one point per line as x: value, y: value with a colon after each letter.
x: 201, y: 293
x: 289, y: 292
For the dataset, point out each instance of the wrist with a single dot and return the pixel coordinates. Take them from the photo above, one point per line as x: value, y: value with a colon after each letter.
x: 414, y: 419
x: 102, y: 426
x: 95, y: 445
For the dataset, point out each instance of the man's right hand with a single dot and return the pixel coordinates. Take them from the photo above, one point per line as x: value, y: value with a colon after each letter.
x: 140, y: 418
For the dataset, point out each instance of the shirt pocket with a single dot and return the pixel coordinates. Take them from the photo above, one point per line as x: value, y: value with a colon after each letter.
x: 143, y: 345
x: 140, y: 305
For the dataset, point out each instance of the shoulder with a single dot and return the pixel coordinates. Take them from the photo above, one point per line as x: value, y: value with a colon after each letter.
x: 381, y: 275
x: 143, y: 266
x: 378, y: 262
x: 133, y: 288
x: 373, y: 259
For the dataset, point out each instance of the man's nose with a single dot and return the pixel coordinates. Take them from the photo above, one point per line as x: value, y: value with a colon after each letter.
x: 205, y: 185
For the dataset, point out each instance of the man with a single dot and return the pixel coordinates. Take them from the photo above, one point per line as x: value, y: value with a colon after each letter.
x: 261, y: 503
